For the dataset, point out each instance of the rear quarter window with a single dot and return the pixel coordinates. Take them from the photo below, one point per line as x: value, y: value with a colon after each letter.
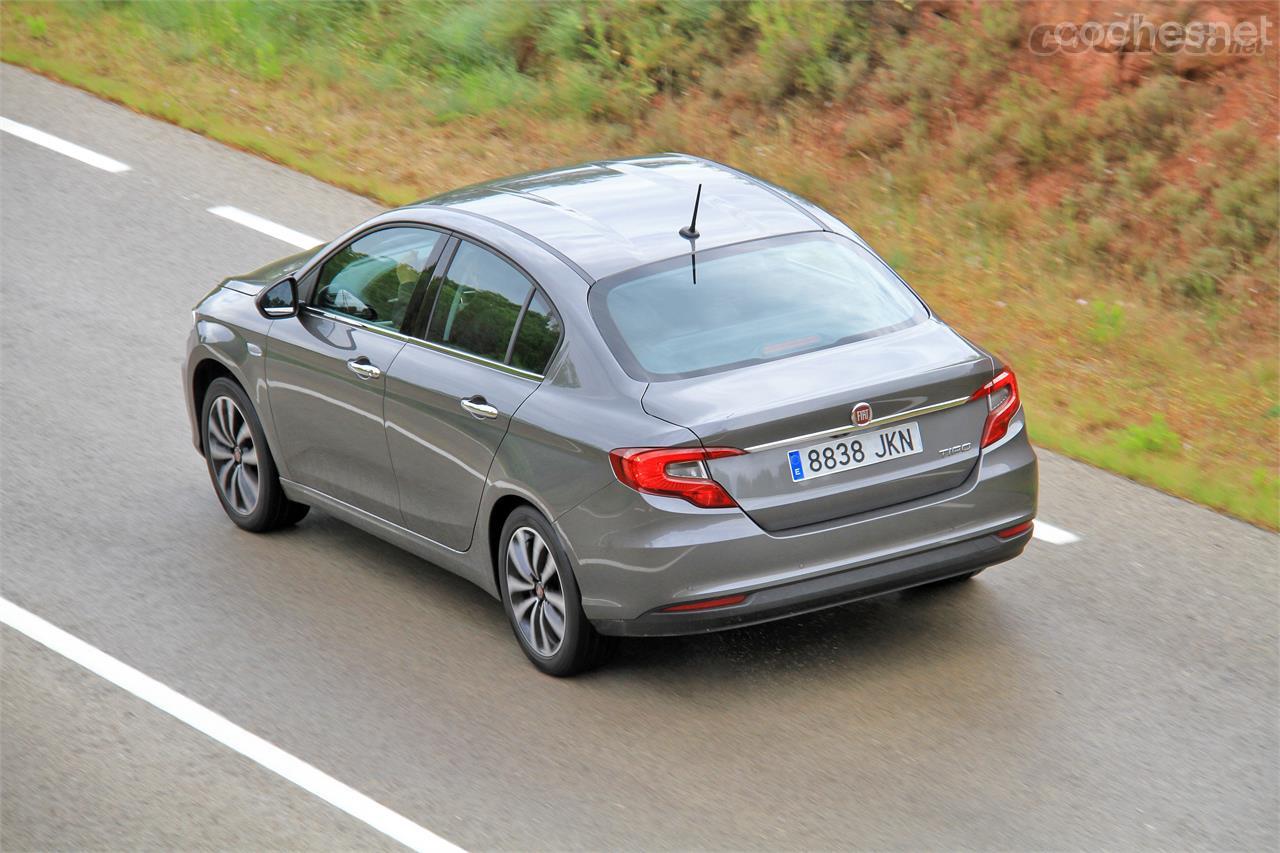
x: 537, y: 337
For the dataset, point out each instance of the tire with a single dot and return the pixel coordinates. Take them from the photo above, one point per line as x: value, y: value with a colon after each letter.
x: 240, y: 466
x: 580, y: 647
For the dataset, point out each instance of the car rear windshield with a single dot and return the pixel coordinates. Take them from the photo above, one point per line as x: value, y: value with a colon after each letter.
x: 749, y: 303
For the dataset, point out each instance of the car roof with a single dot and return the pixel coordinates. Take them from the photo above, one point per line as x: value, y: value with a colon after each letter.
x: 609, y: 216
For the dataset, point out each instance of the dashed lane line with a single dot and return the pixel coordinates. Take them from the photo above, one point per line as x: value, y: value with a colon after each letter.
x: 1046, y: 532
x: 266, y: 226
x: 62, y: 146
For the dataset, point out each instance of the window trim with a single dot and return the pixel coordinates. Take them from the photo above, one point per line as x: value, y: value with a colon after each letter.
x: 420, y: 320
x: 438, y: 264
x: 419, y: 334
x: 515, y: 330
x: 409, y: 339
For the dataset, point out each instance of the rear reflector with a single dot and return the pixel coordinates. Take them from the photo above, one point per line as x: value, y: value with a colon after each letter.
x: 1016, y: 530
x: 1003, y: 402
x: 705, y: 605
x: 680, y: 472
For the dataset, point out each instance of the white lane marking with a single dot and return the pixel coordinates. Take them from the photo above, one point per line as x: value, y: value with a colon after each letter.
x: 266, y: 226
x: 62, y: 146
x: 223, y: 730
x: 1046, y: 532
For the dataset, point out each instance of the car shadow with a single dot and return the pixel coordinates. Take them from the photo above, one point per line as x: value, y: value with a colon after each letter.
x: 957, y: 623
x: 920, y: 624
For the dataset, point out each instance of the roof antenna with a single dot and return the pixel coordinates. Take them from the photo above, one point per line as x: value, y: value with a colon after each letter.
x: 690, y: 232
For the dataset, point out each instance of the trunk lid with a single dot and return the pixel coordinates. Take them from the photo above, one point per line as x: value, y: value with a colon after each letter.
x: 796, y: 403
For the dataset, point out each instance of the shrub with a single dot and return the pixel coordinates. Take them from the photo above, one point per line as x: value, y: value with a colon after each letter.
x: 266, y: 61
x: 660, y: 46
x: 919, y: 74
x: 484, y: 90
x: 1001, y: 26
x: 1154, y: 119
x: 1174, y: 204
x: 1203, y: 277
x: 803, y: 44
x: 1155, y: 437
x: 994, y: 215
x: 1248, y: 206
x: 873, y: 133
x: 1235, y: 148
x: 1101, y: 233
x: 1108, y: 322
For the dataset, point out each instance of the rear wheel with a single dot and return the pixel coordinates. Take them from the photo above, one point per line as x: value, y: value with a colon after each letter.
x: 541, y: 598
x: 240, y: 464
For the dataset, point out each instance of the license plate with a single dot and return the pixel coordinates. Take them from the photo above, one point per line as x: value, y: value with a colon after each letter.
x: 855, y: 451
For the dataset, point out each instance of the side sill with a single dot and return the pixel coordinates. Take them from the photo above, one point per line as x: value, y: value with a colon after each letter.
x: 457, y: 562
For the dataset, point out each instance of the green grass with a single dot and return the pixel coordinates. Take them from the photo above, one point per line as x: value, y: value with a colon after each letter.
x: 1116, y: 243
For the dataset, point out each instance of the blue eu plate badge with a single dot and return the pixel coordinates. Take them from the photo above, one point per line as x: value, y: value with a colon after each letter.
x: 797, y: 467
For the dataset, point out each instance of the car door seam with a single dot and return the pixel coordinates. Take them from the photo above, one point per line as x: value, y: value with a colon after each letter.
x: 386, y: 438
x: 278, y: 456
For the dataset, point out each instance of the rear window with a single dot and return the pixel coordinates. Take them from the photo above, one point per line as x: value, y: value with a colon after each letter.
x: 751, y: 303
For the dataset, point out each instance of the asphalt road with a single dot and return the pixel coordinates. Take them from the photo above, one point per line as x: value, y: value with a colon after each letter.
x: 1118, y: 691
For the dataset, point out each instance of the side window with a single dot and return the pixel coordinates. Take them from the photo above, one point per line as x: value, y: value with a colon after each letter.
x: 539, y: 333
x: 478, y: 304
x: 374, y: 277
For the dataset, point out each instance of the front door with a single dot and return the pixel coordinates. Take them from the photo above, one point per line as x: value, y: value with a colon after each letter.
x: 327, y: 367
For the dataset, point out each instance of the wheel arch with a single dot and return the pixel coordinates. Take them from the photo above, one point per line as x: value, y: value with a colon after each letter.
x: 207, y: 370
x: 498, y: 515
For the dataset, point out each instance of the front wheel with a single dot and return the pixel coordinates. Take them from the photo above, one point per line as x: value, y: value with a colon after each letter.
x: 240, y: 464
x: 541, y: 598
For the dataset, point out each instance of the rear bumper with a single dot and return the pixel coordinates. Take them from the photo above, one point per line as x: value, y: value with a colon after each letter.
x: 832, y: 590
x: 635, y: 554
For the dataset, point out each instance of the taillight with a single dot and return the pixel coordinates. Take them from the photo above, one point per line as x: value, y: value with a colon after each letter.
x: 1002, y: 405
x: 1016, y: 530
x: 708, y: 604
x: 679, y: 472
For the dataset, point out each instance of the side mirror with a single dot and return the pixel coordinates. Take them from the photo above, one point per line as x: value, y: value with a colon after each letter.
x: 279, y: 300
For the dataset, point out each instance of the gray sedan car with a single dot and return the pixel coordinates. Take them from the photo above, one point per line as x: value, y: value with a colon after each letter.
x: 630, y: 398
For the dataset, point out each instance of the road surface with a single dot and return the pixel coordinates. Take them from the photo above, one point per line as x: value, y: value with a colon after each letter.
x: 1117, y: 686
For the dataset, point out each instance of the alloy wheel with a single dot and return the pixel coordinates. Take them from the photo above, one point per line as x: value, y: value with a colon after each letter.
x: 536, y: 591
x: 233, y: 455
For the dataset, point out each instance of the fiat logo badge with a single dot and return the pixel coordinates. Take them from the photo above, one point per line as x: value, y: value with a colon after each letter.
x: 861, y: 414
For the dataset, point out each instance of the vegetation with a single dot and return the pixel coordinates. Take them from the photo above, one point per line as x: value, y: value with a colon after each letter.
x: 1107, y: 221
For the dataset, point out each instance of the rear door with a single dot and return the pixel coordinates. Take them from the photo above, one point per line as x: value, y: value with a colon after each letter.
x: 326, y: 368
x: 483, y: 338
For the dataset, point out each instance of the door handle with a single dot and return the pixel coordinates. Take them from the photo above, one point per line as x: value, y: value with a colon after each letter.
x: 478, y: 407
x: 362, y: 368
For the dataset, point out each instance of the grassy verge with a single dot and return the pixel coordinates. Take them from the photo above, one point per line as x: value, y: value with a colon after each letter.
x: 1117, y: 243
